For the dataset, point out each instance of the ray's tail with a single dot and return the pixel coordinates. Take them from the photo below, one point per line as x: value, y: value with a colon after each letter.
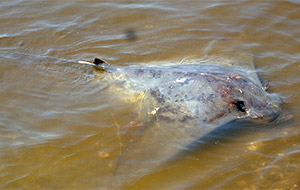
x: 98, y: 63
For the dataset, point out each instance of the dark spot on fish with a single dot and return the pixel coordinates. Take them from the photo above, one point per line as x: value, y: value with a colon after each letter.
x: 139, y: 72
x: 211, y: 97
x: 169, y: 109
x: 177, y: 73
x: 203, y: 97
x: 158, y: 96
x: 165, y: 118
x: 156, y: 74
x: 190, y: 74
x: 200, y: 99
x: 185, y: 118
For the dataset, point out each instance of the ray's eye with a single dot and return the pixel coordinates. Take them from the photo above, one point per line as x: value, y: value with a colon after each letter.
x: 240, y: 105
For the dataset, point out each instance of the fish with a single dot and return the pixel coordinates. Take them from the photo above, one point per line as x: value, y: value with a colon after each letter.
x: 178, y: 104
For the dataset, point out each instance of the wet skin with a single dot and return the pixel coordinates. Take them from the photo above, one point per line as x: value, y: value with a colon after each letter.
x: 179, y: 104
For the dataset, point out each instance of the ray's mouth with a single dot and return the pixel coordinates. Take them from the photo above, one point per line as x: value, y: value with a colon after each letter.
x: 281, y: 117
x: 274, y: 117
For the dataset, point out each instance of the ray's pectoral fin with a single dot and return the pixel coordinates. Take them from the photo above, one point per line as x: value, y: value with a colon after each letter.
x: 161, y: 135
x: 234, y: 51
x: 148, y: 145
x: 131, y: 136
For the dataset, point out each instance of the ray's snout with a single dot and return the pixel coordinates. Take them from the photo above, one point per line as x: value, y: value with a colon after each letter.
x: 272, y: 111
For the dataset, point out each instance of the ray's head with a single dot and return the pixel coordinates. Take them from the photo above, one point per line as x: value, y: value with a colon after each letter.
x: 250, y: 101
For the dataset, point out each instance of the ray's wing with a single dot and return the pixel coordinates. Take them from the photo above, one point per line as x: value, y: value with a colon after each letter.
x: 147, y: 145
x: 234, y: 51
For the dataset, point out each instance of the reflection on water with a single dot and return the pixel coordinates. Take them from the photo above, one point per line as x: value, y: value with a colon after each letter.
x: 59, y: 124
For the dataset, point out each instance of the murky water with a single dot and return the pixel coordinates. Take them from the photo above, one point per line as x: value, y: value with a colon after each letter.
x: 59, y: 126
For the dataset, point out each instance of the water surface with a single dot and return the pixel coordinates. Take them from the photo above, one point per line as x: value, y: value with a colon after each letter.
x: 58, y: 124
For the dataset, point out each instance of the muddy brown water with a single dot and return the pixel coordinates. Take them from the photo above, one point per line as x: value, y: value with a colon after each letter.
x: 58, y: 124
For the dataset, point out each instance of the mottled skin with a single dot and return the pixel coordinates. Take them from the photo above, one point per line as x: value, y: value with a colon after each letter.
x: 184, y: 103
x: 205, y: 94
